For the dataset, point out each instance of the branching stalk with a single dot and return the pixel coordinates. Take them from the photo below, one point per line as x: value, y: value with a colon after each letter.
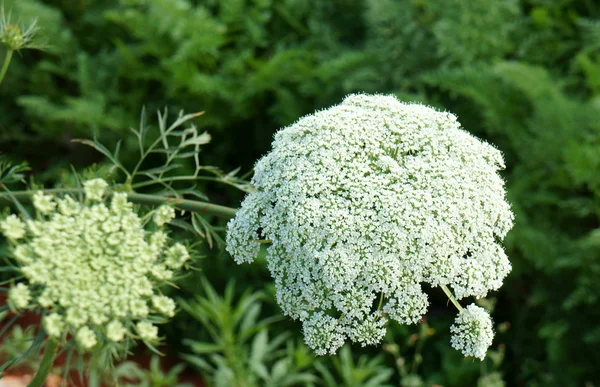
x: 205, y: 208
x: 157, y: 142
x: 452, y: 298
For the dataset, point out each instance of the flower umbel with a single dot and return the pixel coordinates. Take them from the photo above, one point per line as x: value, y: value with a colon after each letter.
x: 365, y: 201
x: 13, y: 227
x: 472, y: 332
x: 19, y: 296
x: 164, y: 214
x: 94, y: 189
x: 86, y: 338
x: 147, y: 331
x: 44, y: 204
x: 93, y: 267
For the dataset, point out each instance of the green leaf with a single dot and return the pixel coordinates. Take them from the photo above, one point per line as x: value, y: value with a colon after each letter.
x: 201, y: 348
x: 198, y: 362
x: 259, y: 346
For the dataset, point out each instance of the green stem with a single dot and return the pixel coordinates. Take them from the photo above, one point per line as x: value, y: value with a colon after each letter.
x: 184, y: 204
x: 380, y: 301
x: 46, y: 364
x: 418, y: 358
x: 7, y: 59
x: 451, y: 297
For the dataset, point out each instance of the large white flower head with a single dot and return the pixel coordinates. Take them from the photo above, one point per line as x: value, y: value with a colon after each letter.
x: 93, y: 267
x: 362, y: 203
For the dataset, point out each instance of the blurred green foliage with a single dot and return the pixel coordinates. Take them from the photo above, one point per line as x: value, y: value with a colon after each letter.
x: 524, y: 74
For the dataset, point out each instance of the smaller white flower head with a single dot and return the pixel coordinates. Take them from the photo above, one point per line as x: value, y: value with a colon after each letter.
x: 119, y: 203
x: 43, y: 203
x: 115, y: 331
x: 369, y: 331
x: 86, y: 338
x: 472, y: 332
x: 93, y: 266
x: 53, y: 325
x: 164, y: 214
x: 323, y: 333
x: 94, y: 189
x: 69, y: 206
x: 19, y: 295
x: 164, y: 305
x: 176, y: 256
x: 158, y: 240
x: 161, y: 274
x: 147, y: 331
x: 13, y: 227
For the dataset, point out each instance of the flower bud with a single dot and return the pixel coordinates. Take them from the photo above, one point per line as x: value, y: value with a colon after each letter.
x: 12, y: 36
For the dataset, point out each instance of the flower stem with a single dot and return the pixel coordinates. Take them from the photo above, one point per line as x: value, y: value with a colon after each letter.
x: 184, y: 204
x: 46, y: 365
x: 451, y: 297
x: 7, y: 59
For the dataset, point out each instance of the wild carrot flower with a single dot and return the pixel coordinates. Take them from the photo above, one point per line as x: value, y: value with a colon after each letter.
x: 93, y: 267
x: 362, y: 203
x: 472, y: 332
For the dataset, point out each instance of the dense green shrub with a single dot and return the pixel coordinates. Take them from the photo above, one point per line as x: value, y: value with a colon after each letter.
x: 523, y: 74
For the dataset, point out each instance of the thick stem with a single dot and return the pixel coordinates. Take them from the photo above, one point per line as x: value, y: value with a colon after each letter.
x: 46, y: 365
x: 184, y: 204
x: 189, y: 205
x: 452, y: 298
x: 7, y: 59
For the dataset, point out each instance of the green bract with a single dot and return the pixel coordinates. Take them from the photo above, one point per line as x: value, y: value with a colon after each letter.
x: 93, y: 267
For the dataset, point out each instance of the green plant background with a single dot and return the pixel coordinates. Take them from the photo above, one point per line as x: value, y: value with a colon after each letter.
x: 524, y: 75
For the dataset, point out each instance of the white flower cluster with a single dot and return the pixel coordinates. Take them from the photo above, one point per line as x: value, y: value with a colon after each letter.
x: 164, y: 215
x: 361, y: 204
x: 93, y: 267
x: 472, y: 331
